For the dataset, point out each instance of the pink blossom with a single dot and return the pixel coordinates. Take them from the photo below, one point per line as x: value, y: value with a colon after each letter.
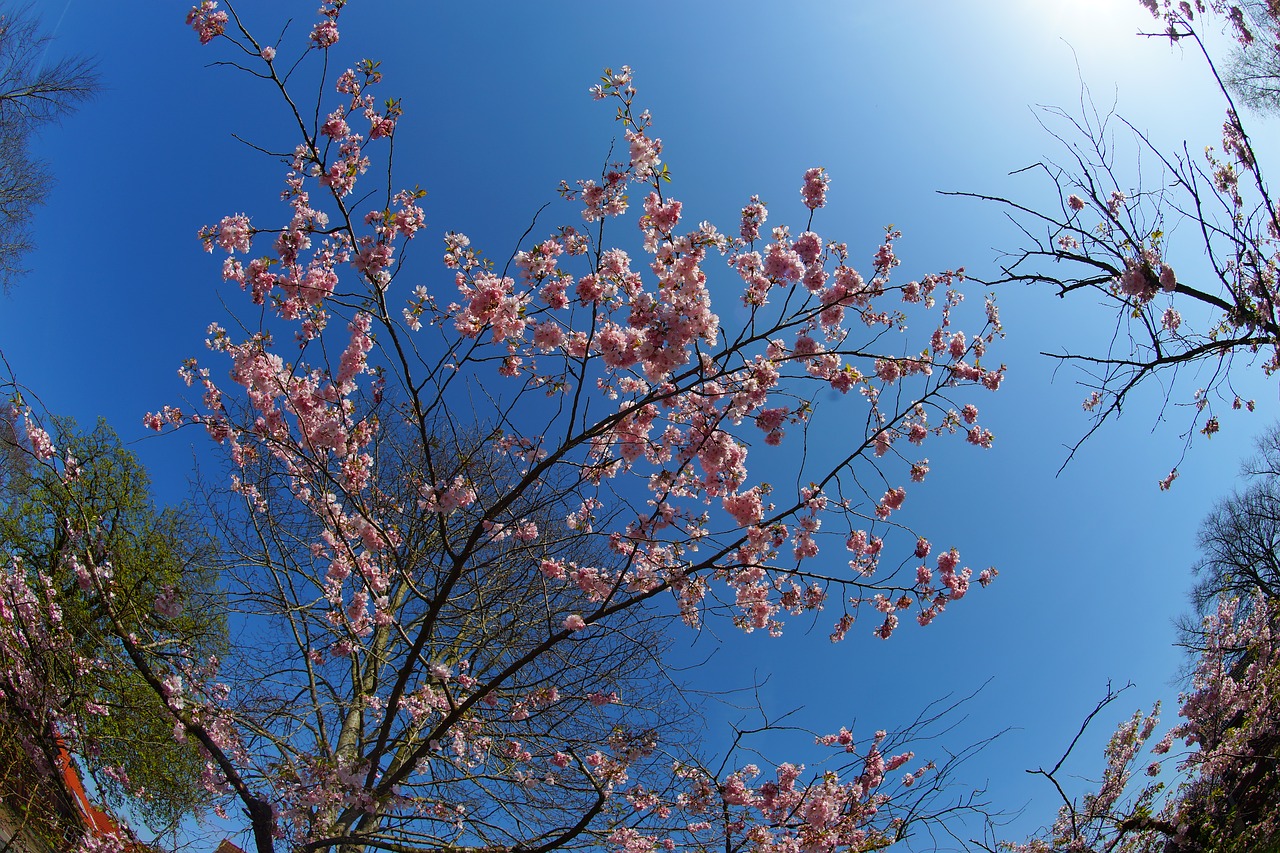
x: 41, y: 445
x: 661, y: 217
x: 353, y: 359
x: 548, y: 335
x: 886, y: 629
x: 805, y: 346
x: 1075, y: 202
x: 782, y: 263
x: 891, y: 501
x: 965, y: 372
x: 887, y: 369
x: 1134, y: 281
x: 980, y: 437
x: 168, y: 603
x: 234, y: 233
x: 457, y: 495
x: 644, y: 153
x: 207, y: 22
x: 1115, y: 203
x: 591, y: 288
x: 814, y: 190
x: 574, y: 623
x: 325, y: 33
x: 771, y: 420
x: 347, y: 83
x: 884, y: 258
x: 492, y: 302
x: 410, y: 218
x: 380, y: 126
x: 335, y: 126
x: 809, y: 247
x: 745, y: 508
x: 753, y: 216
x: 172, y: 688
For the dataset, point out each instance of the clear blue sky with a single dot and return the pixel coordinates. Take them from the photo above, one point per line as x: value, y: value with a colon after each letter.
x: 896, y: 100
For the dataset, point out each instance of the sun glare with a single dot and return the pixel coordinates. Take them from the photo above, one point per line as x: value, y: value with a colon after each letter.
x: 1095, y: 20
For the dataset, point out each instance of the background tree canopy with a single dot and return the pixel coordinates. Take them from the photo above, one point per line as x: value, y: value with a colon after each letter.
x: 130, y: 744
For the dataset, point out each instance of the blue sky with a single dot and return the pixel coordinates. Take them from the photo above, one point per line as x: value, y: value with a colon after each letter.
x: 895, y: 100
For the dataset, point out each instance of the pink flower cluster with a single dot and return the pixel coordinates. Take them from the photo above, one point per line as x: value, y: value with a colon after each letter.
x: 814, y: 191
x: 777, y: 813
x: 42, y: 447
x: 1141, y: 282
x: 754, y: 215
x: 448, y: 499
x: 207, y: 21
x: 325, y: 33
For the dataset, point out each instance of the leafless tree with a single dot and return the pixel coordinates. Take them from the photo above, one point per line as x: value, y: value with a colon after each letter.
x: 35, y: 91
x: 1124, y: 212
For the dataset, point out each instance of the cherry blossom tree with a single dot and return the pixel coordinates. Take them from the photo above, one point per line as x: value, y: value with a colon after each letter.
x: 66, y: 684
x: 40, y: 667
x: 103, y: 487
x: 1110, y: 233
x: 1211, y: 781
x: 1222, y: 790
x: 466, y: 517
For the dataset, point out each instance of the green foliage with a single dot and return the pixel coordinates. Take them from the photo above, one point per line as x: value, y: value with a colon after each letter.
x: 42, y: 514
